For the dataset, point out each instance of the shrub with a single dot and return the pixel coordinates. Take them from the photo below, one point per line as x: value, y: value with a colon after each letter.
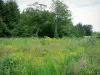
x: 11, y: 65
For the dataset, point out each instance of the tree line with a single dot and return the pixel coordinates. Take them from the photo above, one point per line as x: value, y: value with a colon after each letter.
x: 36, y: 21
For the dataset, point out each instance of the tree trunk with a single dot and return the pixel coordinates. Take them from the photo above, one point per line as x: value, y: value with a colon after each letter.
x: 37, y: 32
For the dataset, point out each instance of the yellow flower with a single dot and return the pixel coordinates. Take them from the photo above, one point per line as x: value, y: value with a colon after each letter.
x: 11, y: 47
x: 73, y: 53
x: 33, y: 49
x: 36, y: 60
x: 48, y: 38
x: 44, y: 52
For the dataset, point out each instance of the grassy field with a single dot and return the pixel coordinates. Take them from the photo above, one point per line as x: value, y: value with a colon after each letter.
x: 46, y: 56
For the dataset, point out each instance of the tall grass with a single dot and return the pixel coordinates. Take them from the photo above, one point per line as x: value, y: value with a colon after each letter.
x: 46, y: 56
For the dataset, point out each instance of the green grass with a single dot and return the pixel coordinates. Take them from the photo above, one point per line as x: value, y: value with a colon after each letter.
x: 46, y: 56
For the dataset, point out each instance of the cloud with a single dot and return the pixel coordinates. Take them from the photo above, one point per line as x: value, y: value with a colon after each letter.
x: 87, y: 15
x: 82, y: 3
x: 24, y: 3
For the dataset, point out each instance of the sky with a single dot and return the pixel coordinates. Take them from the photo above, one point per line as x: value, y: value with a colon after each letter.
x: 84, y: 11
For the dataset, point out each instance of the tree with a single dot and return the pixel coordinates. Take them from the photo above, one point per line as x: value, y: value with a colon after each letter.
x: 12, y: 15
x: 35, y: 22
x: 47, y: 24
x: 1, y: 8
x: 4, y: 32
x: 63, y: 24
x: 83, y: 30
x: 80, y: 30
x: 39, y: 9
x: 88, y: 30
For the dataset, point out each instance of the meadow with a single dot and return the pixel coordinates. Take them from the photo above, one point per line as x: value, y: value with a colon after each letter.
x: 49, y: 56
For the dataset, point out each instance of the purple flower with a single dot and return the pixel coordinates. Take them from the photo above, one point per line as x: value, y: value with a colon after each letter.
x: 82, y: 62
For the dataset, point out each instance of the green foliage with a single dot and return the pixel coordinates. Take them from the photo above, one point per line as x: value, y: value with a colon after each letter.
x: 38, y: 22
x: 88, y: 30
x: 12, y: 65
x: 9, y: 66
x: 80, y: 30
x: 63, y: 24
x: 98, y: 36
x: 1, y: 9
x: 92, y: 54
x: 35, y: 23
x: 83, y: 30
x: 3, y: 29
x: 12, y: 15
x: 47, y: 56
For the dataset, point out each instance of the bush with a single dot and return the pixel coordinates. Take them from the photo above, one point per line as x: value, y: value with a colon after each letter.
x: 11, y: 65
x: 98, y: 36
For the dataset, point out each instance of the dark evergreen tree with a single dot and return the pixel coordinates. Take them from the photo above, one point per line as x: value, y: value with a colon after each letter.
x: 12, y: 16
x: 1, y: 8
x: 80, y: 30
x: 3, y: 29
x: 88, y: 30
x: 83, y: 30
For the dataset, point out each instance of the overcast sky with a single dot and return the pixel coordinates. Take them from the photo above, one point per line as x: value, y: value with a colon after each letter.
x: 84, y: 11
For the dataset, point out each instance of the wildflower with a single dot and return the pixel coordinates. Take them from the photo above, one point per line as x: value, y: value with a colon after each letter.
x: 33, y: 49
x: 11, y: 47
x: 45, y: 52
x: 82, y: 62
x: 48, y: 38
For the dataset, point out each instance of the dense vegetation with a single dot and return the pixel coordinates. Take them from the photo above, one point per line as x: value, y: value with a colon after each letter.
x: 36, y: 21
x: 47, y: 56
